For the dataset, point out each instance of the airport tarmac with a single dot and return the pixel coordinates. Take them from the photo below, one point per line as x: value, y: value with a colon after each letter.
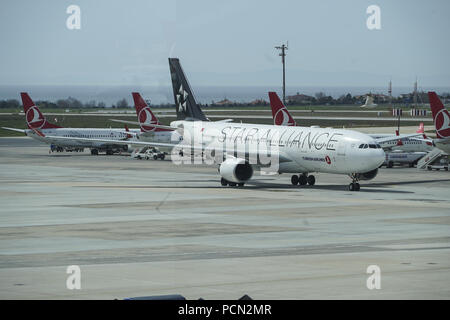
x: 141, y: 228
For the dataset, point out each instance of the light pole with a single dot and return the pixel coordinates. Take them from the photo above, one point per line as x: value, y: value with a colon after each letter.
x: 283, y: 49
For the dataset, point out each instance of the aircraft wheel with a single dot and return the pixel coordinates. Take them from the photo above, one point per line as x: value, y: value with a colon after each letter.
x: 311, y: 180
x: 357, y: 187
x: 223, y: 182
x: 294, y: 180
x: 232, y: 184
x: 302, y: 180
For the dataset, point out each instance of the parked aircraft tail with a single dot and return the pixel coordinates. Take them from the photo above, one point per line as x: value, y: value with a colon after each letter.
x: 186, y: 106
x: 441, y: 116
x: 421, y: 128
x: 33, y: 116
x: 145, y: 116
x: 281, y: 116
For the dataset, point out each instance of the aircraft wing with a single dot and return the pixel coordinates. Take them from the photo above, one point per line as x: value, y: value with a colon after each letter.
x: 396, y: 138
x: 14, y: 129
x: 442, y: 141
x: 150, y: 125
x: 225, y: 120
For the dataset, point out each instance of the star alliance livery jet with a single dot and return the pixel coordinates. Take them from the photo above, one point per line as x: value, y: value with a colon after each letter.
x: 239, y: 149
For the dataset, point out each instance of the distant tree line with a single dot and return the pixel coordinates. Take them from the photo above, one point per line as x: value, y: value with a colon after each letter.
x: 319, y: 98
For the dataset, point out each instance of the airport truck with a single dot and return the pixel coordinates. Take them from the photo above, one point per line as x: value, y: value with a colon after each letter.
x: 151, y: 153
x: 402, y: 158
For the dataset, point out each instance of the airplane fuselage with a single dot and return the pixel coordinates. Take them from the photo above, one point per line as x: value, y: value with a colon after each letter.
x: 88, y: 133
x: 301, y: 149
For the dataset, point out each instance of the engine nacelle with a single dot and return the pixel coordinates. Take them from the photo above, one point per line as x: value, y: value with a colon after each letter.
x: 368, y: 175
x: 236, y: 170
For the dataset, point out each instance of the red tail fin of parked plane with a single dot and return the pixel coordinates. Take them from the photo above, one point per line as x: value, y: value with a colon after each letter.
x: 421, y: 128
x: 441, y: 116
x: 145, y: 116
x: 33, y: 116
x: 281, y: 116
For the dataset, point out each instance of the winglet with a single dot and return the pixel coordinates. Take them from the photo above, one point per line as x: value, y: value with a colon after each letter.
x: 421, y: 128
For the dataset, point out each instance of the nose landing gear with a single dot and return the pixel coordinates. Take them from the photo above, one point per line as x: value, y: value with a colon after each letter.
x: 354, y: 186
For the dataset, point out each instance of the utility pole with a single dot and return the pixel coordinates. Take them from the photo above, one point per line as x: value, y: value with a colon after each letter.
x: 415, y: 94
x: 390, y: 93
x: 283, y: 49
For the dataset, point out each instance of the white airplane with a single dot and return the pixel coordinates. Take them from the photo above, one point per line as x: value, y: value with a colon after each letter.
x: 389, y: 142
x: 238, y: 149
x: 40, y: 129
x: 150, y: 127
x: 441, y: 119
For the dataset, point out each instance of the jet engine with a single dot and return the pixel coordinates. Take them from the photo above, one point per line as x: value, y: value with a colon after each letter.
x: 235, y: 170
x: 368, y: 175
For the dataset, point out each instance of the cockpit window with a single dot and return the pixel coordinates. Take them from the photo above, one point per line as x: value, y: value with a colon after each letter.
x: 366, y: 146
x: 361, y: 146
x: 372, y: 146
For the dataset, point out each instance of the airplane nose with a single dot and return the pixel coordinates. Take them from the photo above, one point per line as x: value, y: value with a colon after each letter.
x: 378, y: 157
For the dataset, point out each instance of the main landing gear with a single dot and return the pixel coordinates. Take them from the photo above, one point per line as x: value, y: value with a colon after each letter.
x: 303, y: 179
x: 354, y: 186
x: 225, y: 183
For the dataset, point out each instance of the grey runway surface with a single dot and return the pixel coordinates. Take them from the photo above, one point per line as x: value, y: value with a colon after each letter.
x: 138, y: 227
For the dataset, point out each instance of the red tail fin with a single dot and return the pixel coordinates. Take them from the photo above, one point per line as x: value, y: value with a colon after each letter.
x: 441, y: 116
x: 129, y: 136
x: 33, y: 116
x: 281, y: 116
x: 145, y: 116
x: 421, y: 128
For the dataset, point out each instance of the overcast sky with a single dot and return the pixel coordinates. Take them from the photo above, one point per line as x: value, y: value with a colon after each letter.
x: 224, y: 42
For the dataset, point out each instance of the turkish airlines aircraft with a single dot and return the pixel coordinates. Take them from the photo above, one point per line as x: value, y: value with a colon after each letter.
x: 40, y: 129
x: 441, y: 119
x: 150, y: 127
x: 238, y: 149
x: 389, y: 142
